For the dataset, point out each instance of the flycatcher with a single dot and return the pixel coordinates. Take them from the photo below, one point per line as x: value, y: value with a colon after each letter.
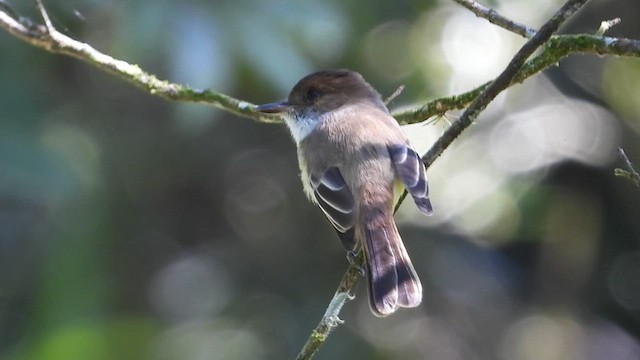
x: 351, y: 152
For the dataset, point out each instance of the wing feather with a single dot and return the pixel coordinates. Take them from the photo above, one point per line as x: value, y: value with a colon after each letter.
x: 411, y: 172
x: 336, y: 201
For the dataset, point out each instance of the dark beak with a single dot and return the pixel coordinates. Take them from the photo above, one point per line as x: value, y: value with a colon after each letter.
x: 273, y: 108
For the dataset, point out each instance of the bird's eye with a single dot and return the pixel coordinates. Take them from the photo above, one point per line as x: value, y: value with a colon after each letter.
x: 313, y: 94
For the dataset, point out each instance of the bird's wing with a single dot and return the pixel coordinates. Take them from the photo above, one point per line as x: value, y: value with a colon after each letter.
x: 410, y: 170
x: 336, y: 201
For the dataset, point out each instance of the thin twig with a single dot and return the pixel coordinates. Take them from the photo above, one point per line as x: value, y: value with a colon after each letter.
x: 47, y: 22
x: 606, y: 25
x: 631, y: 173
x: 394, y: 95
x: 493, y: 17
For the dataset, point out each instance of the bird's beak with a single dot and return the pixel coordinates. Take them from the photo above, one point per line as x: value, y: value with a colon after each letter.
x: 273, y: 108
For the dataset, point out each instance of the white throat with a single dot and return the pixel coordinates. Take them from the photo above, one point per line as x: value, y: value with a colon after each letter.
x: 301, y: 125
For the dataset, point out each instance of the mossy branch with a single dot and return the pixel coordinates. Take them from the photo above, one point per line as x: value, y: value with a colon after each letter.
x: 46, y: 37
x: 555, y: 49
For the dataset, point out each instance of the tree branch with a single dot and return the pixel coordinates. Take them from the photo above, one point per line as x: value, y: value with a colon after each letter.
x: 48, y: 38
x: 556, y: 49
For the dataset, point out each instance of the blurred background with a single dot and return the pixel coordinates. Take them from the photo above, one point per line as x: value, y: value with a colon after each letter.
x: 136, y: 228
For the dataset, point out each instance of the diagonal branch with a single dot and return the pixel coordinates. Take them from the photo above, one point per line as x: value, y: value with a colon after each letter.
x: 483, y: 95
x: 631, y: 173
x: 495, y: 18
x: 502, y: 81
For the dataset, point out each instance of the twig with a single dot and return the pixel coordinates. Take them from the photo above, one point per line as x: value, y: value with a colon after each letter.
x: 394, y: 95
x: 630, y: 174
x: 47, y: 22
x: 493, y: 17
x: 606, y: 25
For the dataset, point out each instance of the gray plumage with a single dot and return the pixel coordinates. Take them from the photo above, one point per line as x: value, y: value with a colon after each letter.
x: 351, y: 151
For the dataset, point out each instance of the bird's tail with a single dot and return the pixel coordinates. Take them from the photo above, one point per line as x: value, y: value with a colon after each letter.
x: 393, y: 281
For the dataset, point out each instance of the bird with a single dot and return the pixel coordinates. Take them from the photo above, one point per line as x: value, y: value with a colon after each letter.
x: 352, y: 155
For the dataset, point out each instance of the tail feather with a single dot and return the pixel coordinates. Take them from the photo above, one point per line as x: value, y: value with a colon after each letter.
x: 381, y: 272
x: 392, y: 280
x: 409, y: 286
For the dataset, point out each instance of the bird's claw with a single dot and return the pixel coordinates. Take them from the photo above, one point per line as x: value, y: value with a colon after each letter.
x: 354, y: 260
